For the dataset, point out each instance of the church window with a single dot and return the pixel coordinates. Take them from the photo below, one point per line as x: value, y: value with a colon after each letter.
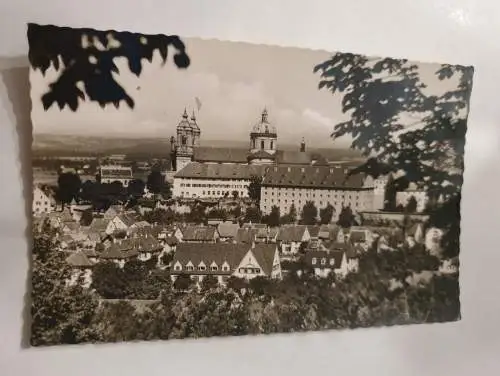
x: 253, y: 142
x: 272, y: 145
x: 262, y: 144
x: 184, y: 140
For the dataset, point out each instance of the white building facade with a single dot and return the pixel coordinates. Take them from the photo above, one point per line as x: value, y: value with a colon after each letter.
x: 42, y: 203
x: 112, y: 173
x: 323, y: 185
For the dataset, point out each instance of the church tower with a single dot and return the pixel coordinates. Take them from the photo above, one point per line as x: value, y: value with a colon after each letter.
x: 263, y: 136
x: 196, y: 130
x: 184, y: 143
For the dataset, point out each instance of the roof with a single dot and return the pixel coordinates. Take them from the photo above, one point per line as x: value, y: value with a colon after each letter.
x: 123, y: 249
x: 171, y: 240
x: 99, y: 224
x: 209, y: 253
x: 313, y: 231
x: 219, y: 171
x: 219, y: 253
x: 293, y: 233
x: 198, y: 233
x: 326, y: 254
x: 264, y: 254
x: 246, y: 235
x: 78, y: 260
x: 328, y: 232
x: 228, y: 229
x: 311, y: 176
x: 127, y: 219
x: 357, y: 236
x: 293, y: 157
x: 212, y: 154
x: 261, y: 154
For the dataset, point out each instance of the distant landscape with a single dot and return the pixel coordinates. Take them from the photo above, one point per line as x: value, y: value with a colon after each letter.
x: 48, y: 144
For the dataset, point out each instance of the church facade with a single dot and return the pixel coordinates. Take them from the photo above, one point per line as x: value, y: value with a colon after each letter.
x: 290, y: 177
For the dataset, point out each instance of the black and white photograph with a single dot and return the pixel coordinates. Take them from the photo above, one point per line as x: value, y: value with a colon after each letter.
x: 189, y: 188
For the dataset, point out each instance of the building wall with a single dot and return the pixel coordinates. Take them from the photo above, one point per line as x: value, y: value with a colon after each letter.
x: 41, y: 202
x: 209, y: 188
x: 270, y: 144
x: 283, y: 198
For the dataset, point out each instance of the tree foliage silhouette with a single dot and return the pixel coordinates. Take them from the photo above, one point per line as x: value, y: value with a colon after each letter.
x: 88, y: 56
x: 377, y: 93
x: 254, y: 187
x: 309, y: 214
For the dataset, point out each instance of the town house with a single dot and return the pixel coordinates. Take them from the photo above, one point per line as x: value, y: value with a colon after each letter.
x: 223, y: 260
x: 291, y: 237
x: 199, y: 234
x: 339, y: 258
x: 121, y: 222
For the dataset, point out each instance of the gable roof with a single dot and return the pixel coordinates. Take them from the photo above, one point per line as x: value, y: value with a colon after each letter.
x: 127, y: 219
x: 246, y: 235
x: 264, y: 254
x: 198, y: 233
x: 228, y: 229
x: 219, y: 253
x: 293, y: 233
x: 208, y: 253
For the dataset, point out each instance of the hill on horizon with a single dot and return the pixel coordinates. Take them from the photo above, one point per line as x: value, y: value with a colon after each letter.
x: 160, y: 146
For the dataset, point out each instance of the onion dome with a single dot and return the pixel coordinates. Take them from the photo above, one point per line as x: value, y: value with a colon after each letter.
x: 184, y: 124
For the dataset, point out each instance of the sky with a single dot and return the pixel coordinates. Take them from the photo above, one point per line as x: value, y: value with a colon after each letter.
x: 234, y: 82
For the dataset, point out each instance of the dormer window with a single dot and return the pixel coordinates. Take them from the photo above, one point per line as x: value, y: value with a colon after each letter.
x: 332, y: 262
x: 323, y: 261
x: 313, y: 261
x: 214, y: 268
x: 178, y: 267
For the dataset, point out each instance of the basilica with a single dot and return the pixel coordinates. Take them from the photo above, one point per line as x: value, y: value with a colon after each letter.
x: 289, y: 177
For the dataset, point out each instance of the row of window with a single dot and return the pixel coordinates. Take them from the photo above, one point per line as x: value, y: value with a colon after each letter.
x: 313, y: 195
x: 314, y: 261
x: 202, y: 268
x: 249, y: 270
x: 196, y: 185
x: 211, y: 193
x: 38, y: 203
